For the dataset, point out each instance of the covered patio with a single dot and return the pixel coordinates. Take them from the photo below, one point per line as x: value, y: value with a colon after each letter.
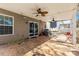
x: 46, y: 45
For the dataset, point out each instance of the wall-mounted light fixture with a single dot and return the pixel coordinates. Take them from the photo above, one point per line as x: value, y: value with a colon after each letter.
x: 26, y: 21
x: 24, y: 17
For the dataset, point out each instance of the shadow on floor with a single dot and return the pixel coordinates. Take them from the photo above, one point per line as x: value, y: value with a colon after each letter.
x: 30, y: 44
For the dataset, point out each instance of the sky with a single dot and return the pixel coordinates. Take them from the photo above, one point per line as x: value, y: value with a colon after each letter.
x: 77, y: 15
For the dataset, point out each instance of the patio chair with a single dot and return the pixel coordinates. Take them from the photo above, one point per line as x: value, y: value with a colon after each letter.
x: 68, y: 35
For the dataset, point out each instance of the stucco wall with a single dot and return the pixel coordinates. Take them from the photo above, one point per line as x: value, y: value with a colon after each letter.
x: 20, y: 26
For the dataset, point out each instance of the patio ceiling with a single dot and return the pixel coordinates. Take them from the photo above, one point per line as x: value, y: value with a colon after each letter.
x: 60, y: 11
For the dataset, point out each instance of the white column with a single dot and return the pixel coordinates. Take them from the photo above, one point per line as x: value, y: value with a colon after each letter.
x: 47, y: 25
x: 74, y: 27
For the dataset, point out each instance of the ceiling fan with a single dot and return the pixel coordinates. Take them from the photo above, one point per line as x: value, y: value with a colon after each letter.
x: 40, y: 12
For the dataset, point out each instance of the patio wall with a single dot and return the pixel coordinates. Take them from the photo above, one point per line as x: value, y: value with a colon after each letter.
x: 20, y: 26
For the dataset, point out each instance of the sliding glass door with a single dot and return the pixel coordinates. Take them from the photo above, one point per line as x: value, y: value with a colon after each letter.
x: 36, y: 29
x: 33, y: 29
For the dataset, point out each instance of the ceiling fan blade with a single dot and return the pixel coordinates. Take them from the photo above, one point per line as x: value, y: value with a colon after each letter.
x: 34, y: 13
x: 45, y: 12
x: 37, y: 15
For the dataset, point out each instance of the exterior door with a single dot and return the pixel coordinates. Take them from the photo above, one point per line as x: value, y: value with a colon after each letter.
x: 33, y: 29
x: 36, y: 28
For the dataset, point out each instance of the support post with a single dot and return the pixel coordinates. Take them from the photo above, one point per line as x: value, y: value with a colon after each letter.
x: 74, y: 27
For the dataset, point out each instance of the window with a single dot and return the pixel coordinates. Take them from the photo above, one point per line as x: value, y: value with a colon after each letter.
x: 77, y: 21
x: 6, y: 25
x: 77, y: 25
x: 1, y: 19
x: 64, y: 24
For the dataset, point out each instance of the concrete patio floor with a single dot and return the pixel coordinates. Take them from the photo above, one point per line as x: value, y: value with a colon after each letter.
x: 41, y: 46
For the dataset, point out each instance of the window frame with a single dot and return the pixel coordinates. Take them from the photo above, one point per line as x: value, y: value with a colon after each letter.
x: 66, y: 23
x: 8, y: 25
